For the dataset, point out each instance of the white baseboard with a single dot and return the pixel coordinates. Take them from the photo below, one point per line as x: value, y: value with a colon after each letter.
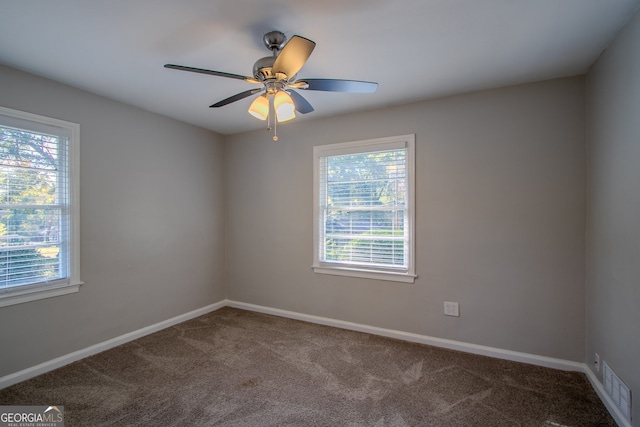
x: 532, y: 359
x: 58, y: 362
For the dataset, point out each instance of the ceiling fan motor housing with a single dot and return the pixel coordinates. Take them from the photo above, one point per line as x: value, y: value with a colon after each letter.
x: 262, y: 69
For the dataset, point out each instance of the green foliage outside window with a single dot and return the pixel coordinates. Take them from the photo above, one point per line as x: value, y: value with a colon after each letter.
x: 29, y: 219
x: 366, y: 195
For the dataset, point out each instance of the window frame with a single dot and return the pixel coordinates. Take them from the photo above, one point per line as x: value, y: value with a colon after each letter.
x: 70, y: 284
x: 361, y: 147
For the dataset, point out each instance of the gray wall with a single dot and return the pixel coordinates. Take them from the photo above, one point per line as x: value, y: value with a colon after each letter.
x: 500, y: 220
x: 152, y: 224
x: 613, y: 244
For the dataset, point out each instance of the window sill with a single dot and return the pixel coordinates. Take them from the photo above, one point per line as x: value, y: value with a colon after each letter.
x: 365, y: 274
x: 35, y: 292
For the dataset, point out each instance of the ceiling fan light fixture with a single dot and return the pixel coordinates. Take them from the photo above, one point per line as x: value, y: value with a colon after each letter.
x: 284, y: 106
x: 260, y: 108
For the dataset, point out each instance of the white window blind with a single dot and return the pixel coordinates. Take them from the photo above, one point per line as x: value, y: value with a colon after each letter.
x: 364, y: 207
x: 36, y: 232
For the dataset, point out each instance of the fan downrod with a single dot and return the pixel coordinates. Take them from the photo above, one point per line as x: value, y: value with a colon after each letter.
x: 262, y: 69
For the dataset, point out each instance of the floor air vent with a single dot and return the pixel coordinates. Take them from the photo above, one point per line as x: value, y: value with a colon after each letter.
x: 617, y: 389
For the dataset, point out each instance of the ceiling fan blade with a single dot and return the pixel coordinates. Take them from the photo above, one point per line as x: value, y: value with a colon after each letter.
x: 334, y: 85
x: 293, y: 56
x: 211, y: 72
x: 234, y: 98
x: 302, y: 105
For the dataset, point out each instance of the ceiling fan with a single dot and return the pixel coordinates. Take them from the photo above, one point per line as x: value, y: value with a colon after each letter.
x: 277, y: 76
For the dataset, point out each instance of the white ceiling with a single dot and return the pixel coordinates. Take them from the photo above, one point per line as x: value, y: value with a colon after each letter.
x: 414, y: 49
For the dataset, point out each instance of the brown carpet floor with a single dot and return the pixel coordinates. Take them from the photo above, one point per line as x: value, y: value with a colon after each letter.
x: 239, y: 368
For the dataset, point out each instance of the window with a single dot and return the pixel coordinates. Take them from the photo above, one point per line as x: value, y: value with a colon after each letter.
x: 39, y: 212
x: 363, y: 208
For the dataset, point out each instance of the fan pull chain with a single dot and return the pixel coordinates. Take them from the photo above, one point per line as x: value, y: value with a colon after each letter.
x: 275, y: 130
x: 275, y: 121
x: 271, y: 111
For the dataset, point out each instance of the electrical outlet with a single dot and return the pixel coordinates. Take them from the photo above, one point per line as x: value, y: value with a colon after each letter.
x: 596, y: 362
x: 451, y: 309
